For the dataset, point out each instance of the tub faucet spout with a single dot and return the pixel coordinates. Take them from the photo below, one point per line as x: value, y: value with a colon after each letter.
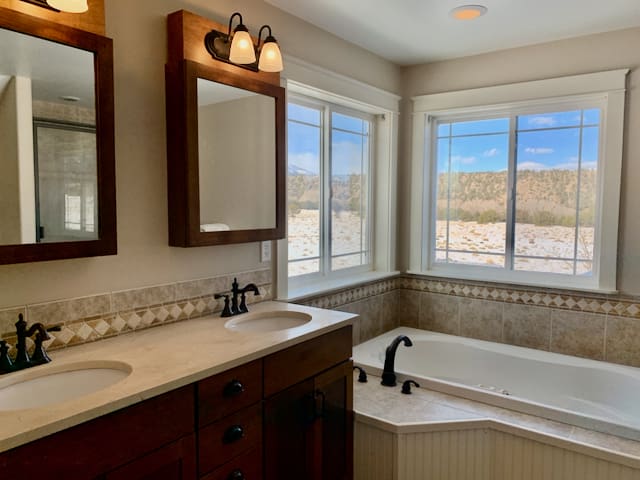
x: 389, y: 374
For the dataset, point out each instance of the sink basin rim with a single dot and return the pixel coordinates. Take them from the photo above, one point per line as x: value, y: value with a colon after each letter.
x: 15, y: 394
x: 268, y: 321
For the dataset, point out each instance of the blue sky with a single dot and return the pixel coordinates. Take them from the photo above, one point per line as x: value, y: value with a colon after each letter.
x: 544, y: 142
x: 538, y: 147
x: 348, y: 147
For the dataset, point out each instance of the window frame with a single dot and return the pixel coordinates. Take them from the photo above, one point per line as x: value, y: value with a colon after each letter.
x: 325, y: 257
x: 607, y: 89
x: 313, y: 82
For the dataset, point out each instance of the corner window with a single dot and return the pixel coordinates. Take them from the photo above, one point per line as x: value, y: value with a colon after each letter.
x: 329, y: 189
x: 518, y: 192
x: 524, y: 189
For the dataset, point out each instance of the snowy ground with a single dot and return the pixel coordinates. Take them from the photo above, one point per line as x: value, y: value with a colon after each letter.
x: 479, y: 239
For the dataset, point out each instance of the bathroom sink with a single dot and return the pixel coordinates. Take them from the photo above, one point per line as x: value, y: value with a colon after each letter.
x: 43, y: 386
x: 267, y: 321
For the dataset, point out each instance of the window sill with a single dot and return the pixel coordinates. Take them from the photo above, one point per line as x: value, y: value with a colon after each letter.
x: 329, y: 286
x: 484, y: 277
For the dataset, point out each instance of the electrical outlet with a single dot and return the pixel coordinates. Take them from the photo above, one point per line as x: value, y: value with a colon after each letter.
x: 265, y: 251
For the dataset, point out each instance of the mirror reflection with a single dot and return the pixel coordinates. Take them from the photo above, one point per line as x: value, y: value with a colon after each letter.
x: 237, y: 159
x: 48, y: 165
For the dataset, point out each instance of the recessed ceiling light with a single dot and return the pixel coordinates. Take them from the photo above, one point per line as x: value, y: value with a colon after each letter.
x: 468, y: 12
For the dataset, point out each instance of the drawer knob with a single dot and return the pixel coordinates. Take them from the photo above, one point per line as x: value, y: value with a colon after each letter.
x: 233, y: 434
x: 233, y: 388
x: 236, y: 475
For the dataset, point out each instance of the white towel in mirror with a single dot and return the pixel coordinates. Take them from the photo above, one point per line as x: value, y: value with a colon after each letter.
x: 214, y: 227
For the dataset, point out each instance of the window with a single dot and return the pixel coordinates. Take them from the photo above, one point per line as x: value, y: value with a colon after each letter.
x: 522, y: 191
x: 546, y: 223
x: 329, y: 189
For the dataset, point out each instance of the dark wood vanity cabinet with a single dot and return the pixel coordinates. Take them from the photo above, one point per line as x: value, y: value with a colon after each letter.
x: 286, y: 416
x: 175, y: 461
x: 308, y: 426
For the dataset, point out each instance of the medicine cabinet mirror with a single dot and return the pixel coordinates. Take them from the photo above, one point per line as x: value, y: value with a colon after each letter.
x: 226, y: 156
x: 57, y: 169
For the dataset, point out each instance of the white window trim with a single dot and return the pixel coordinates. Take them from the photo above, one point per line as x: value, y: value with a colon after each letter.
x: 608, y: 86
x: 350, y: 94
x: 326, y: 273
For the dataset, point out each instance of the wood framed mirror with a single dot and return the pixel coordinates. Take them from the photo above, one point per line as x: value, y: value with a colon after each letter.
x: 57, y: 171
x: 226, y: 152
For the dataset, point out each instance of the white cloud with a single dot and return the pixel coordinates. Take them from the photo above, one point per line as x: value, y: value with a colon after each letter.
x: 561, y: 166
x: 307, y: 161
x: 539, y: 150
x: 532, y: 166
x: 464, y: 160
x: 542, y: 121
x: 491, y: 153
x: 573, y: 165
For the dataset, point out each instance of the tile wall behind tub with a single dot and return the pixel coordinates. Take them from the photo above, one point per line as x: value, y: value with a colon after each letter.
x: 106, y: 315
x: 376, y: 303
x: 601, y: 327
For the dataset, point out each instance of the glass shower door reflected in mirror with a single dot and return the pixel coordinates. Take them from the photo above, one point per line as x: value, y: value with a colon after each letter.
x: 66, y: 181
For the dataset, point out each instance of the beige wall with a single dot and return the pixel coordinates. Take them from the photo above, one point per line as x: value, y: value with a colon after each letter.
x: 567, y: 57
x: 10, y: 229
x: 236, y: 145
x: 139, y: 32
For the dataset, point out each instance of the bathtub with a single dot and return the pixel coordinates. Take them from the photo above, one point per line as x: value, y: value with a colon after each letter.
x: 586, y: 393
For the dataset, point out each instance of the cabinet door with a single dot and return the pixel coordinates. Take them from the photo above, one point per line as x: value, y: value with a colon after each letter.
x: 176, y: 461
x: 333, y: 435
x: 309, y: 429
x: 288, y: 417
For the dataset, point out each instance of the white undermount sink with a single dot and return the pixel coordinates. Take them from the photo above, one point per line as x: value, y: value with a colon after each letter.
x: 43, y: 386
x: 267, y: 321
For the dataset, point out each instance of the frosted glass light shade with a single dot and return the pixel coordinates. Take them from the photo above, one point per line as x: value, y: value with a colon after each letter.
x: 69, y: 6
x: 270, y: 57
x: 242, y: 51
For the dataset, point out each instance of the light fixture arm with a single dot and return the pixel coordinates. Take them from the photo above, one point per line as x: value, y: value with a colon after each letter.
x: 231, y: 23
x: 260, y: 35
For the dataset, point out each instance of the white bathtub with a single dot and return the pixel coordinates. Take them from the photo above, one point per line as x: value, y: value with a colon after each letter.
x: 587, y: 393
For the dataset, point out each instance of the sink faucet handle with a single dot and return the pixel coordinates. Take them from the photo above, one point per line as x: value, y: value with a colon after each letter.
x: 6, y: 365
x: 243, y: 303
x: 40, y: 356
x: 226, y: 311
x: 406, y: 386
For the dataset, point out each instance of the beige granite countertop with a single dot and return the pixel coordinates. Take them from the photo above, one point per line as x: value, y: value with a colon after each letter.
x: 427, y: 410
x: 161, y: 359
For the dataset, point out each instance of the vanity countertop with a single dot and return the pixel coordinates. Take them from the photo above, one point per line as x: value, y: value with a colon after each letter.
x: 161, y: 359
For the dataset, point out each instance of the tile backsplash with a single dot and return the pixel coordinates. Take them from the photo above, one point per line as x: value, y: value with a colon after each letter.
x: 601, y: 327
x: 106, y: 315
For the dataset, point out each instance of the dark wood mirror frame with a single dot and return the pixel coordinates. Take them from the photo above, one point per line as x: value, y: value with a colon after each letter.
x: 183, y: 155
x: 102, y: 49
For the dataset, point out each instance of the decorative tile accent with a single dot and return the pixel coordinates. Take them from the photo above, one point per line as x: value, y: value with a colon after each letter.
x: 101, y: 316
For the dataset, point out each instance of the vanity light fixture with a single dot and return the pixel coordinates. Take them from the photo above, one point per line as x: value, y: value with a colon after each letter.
x: 238, y: 49
x: 68, y: 6
x: 468, y: 12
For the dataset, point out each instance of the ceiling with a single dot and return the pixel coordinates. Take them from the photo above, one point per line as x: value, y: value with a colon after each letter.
x: 55, y: 70
x: 409, y: 32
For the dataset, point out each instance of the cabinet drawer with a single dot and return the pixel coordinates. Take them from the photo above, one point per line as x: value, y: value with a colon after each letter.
x: 288, y: 367
x: 226, y: 439
x: 247, y: 466
x: 230, y: 391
